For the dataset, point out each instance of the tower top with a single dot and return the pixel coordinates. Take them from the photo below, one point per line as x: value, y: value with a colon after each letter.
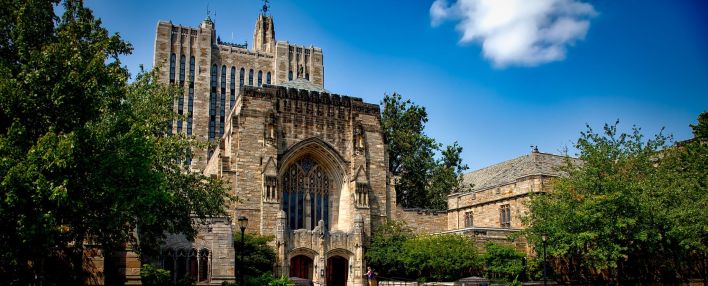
x: 266, y: 6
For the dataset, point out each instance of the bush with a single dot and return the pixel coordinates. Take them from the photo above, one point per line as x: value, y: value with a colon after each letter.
x: 258, y: 256
x: 502, y: 261
x: 154, y: 276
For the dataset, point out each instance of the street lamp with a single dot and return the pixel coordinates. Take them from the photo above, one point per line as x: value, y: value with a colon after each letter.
x: 242, y: 223
x: 544, y: 238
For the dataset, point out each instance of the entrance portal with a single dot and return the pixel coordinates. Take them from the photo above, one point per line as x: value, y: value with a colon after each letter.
x: 337, y: 271
x: 301, y: 267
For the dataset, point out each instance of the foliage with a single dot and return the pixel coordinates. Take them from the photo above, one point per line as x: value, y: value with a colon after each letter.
x: 396, y: 252
x: 258, y: 256
x: 84, y: 157
x: 633, y: 210
x: 282, y: 281
x: 444, y: 257
x: 385, y: 251
x: 424, y: 181
x: 154, y: 276
x: 502, y: 261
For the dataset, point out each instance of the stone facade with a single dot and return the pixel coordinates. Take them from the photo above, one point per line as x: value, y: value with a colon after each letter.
x: 422, y: 220
x: 308, y: 166
x: 493, y: 208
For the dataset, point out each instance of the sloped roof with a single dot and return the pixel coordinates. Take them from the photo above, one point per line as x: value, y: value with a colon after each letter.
x: 301, y: 83
x: 509, y: 171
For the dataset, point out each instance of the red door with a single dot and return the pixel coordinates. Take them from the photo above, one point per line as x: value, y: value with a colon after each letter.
x: 301, y: 267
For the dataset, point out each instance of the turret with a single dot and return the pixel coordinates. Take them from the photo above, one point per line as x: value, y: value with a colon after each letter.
x: 264, y: 34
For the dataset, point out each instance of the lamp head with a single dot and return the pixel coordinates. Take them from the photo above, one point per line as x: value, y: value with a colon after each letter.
x: 242, y: 222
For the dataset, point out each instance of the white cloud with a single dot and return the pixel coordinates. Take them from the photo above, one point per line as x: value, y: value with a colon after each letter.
x: 517, y: 32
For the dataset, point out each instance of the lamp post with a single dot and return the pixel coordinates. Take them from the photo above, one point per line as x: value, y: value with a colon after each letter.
x: 544, y: 237
x: 242, y: 223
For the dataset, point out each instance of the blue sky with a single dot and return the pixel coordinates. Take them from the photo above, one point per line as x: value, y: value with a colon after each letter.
x: 497, y: 79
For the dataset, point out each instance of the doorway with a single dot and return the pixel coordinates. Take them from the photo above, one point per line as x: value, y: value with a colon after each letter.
x: 301, y: 267
x: 337, y: 271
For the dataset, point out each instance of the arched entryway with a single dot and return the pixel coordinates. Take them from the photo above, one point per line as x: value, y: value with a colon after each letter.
x: 301, y: 267
x: 337, y: 271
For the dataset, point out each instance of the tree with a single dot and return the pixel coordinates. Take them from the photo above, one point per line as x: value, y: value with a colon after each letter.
x: 84, y: 157
x: 395, y: 252
x: 424, y: 181
x: 633, y: 210
x: 385, y: 251
x: 502, y: 261
x: 258, y: 258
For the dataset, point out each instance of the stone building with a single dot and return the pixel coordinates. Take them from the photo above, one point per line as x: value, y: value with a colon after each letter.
x: 308, y: 166
x: 492, y: 209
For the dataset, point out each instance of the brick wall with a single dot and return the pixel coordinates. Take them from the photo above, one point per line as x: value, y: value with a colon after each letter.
x: 423, y: 221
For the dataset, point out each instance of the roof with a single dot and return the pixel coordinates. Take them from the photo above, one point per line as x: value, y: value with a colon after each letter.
x: 506, y: 172
x: 301, y: 83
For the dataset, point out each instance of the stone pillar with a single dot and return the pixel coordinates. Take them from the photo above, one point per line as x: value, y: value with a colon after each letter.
x: 358, y: 263
x: 281, y: 236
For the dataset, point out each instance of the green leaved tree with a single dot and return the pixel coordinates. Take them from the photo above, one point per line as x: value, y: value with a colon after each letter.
x: 424, y: 181
x: 84, y: 156
x: 634, y: 210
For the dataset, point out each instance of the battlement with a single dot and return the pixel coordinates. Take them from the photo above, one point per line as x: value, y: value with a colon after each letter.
x: 311, y: 96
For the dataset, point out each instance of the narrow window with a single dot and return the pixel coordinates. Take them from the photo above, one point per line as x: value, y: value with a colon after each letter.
x: 232, y: 85
x: 290, y: 75
x: 250, y: 77
x: 222, y: 102
x: 190, y: 100
x: 241, y: 75
x: 260, y: 78
x: 505, y: 216
x: 212, y: 103
x: 173, y: 58
x: 181, y: 69
x: 268, y: 78
x: 469, y: 219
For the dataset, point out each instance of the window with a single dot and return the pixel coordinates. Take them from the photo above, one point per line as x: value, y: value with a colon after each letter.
x: 250, y: 77
x: 181, y: 69
x: 307, y: 76
x: 241, y: 75
x: 290, y: 75
x: 469, y: 219
x: 173, y: 58
x: 222, y: 103
x: 260, y: 78
x: 212, y: 103
x: 268, y: 78
x: 306, y: 195
x: 190, y: 99
x: 233, y: 87
x: 505, y: 216
x: 191, y: 69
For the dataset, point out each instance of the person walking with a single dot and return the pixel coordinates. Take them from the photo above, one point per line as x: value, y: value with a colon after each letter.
x: 370, y: 276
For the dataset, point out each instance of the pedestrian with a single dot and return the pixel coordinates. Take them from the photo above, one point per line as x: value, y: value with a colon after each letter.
x: 370, y: 276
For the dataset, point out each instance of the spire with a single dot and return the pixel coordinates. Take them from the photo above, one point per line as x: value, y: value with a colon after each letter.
x: 266, y: 6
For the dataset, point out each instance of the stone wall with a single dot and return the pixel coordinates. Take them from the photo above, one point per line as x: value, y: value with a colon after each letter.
x: 486, y: 204
x: 423, y: 221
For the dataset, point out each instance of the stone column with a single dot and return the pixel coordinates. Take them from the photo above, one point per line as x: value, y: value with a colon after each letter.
x: 358, y: 262
x: 281, y: 244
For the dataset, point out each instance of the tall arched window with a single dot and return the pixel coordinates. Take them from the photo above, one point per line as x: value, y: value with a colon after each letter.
x: 250, y: 77
x: 181, y: 69
x: 212, y: 103
x: 173, y: 58
x: 222, y: 103
x: 241, y: 75
x: 233, y: 87
x: 260, y: 78
x: 306, y: 194
x: 268, y: 78
x: 190, y: 100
